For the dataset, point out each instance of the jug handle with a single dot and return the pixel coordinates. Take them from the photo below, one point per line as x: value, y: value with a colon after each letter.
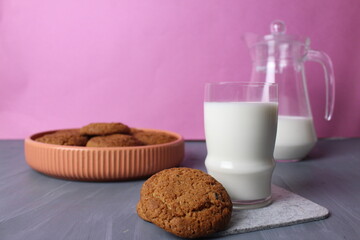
x: 325, y: 61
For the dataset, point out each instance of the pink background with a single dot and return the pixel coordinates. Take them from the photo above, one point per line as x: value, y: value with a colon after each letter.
x: 67, y: 63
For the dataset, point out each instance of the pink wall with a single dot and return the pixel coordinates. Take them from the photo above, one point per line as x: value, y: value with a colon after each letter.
x: 144, y: 62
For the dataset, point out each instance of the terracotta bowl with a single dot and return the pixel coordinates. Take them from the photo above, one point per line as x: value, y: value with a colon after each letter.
x: 103, y: 163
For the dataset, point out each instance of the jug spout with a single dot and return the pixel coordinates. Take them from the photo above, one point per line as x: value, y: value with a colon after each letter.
x: 250, y: 39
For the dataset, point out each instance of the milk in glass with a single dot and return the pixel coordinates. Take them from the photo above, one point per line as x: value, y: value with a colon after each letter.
x: 240, y: 138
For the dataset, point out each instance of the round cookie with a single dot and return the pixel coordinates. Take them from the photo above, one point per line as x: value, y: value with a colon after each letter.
x: 94, y: 129
x: 71, y: 137
x: 152, y: 138
x: 186, y: 202
x: 115, y: 140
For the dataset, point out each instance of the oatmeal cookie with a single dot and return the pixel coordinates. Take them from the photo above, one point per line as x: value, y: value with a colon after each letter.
x: 71, y: 137
x: 186, y: 202
x: 152, y: 138
x: 94, y: 129
x: 115, y: 140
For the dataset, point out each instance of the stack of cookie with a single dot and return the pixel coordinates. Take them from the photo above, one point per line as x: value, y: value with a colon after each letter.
x: 186, y: 202
x: 106, y: 135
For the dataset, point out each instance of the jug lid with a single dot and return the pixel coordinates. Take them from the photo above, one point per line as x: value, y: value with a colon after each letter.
x: 278, y: 34
x: 278, y: 43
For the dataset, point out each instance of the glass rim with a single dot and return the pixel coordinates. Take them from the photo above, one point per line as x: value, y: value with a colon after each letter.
x: 241, y: 83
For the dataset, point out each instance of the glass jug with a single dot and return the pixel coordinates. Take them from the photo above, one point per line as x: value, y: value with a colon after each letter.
x: 279, y: 58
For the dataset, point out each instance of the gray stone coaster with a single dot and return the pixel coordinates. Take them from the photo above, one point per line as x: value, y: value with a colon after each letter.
x: 286, y: 209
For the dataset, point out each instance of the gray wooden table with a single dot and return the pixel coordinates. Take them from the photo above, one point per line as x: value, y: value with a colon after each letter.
x: 34, y: 206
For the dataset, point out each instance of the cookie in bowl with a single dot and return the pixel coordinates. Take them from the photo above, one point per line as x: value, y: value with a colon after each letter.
x: 71, y: 137
x: 151, y: 138
x: 94, y: 129
x: 114, y: 140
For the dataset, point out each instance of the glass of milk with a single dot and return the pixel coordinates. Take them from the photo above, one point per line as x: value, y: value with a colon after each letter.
x: 240, y: 130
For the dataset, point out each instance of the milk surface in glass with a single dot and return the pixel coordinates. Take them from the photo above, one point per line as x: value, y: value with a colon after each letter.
x: 240, y: 138
x: 295, y: 137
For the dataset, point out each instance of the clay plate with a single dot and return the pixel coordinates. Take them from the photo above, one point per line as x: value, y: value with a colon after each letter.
x: 103, y: 164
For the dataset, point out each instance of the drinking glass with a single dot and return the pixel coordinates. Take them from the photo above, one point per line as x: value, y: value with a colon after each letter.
x: 240, y: 131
